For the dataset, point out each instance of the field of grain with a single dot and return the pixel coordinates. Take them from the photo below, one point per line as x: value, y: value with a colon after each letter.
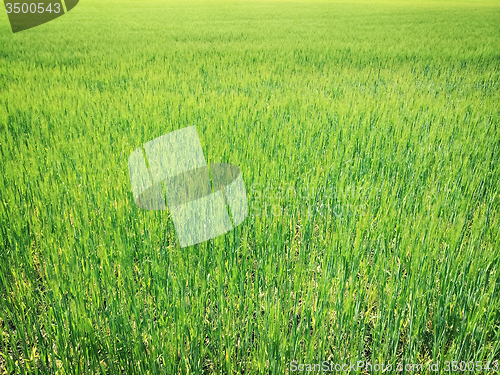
x: 368, y: 136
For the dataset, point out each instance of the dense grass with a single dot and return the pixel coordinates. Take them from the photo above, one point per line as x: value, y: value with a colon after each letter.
x: 368, y: 135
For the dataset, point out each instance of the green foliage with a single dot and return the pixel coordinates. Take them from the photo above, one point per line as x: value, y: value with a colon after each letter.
x: 368, y: 138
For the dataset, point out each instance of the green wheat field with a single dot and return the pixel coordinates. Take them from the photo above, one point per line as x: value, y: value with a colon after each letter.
x: 368, y: 137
